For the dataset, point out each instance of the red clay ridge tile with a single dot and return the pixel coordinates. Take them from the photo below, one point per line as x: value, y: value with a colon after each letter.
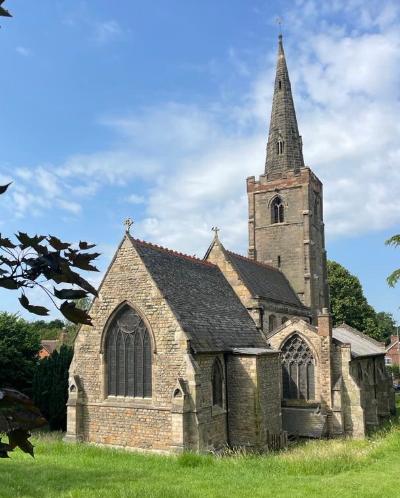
x: 171, y: 251
x: 264, y: 265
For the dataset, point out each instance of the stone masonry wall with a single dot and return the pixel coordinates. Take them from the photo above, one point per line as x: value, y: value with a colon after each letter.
x: 141, y: 423
x: 253, y: 399
x: 211, y: 419
x: 260, y: 309
x: 299, y: 240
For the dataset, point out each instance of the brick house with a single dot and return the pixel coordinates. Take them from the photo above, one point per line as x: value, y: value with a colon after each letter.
x: 190, y: 354
x: 392, y: 356
x: 47, y: 347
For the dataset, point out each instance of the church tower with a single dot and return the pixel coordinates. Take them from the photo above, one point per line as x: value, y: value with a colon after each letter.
x: 286, y: 226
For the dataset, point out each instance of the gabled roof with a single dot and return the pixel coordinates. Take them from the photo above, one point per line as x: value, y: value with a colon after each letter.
x: 202, y: 300
x: 361, y: 344
x: 49, y: 345
x: 264, y: 280
x: 392, y: 345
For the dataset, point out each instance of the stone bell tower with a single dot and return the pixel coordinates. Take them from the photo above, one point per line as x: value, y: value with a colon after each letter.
x: 286, y: 226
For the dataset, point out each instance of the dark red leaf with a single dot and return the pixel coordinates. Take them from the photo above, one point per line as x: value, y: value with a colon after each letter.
x: 57, y: 244
x: 74, y: 314
x: 3, y: 188
x: 84, y: 246
x: 70, y: 293
x: 82, y: 261
x: 37, y: 310
x: 7, y: 243
x: 19, y: 438
x: 9, y: 283
x: 27, y: 241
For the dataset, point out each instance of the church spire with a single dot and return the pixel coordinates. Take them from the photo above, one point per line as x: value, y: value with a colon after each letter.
x: 284, y: 148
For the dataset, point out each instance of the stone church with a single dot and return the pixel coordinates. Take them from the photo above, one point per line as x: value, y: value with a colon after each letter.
x: 199, y: 354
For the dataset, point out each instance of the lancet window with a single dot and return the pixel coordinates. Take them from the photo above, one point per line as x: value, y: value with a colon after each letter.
x: 217, y: 383
x: 271, y: 323
x: 277, y: 211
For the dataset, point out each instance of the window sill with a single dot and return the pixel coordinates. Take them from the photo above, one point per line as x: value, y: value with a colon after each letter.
x: 128, y: 401
x: 217, y: 410
x: 300, y: 403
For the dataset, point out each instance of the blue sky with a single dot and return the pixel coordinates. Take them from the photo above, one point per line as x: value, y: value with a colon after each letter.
x: 159, y: 111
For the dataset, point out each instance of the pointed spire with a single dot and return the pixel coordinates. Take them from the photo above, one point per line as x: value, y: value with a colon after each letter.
x: 284, y: 148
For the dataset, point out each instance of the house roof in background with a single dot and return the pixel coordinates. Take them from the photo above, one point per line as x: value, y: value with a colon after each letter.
x: 361, y: 344
x: 49, y: 345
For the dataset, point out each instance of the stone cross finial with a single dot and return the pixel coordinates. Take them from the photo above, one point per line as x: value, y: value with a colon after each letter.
x: 128, y: 223
x: 215, y: 230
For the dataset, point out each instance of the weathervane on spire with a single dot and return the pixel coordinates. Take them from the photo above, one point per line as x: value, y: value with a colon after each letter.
x: 128, y: 223
x: 279, y: 21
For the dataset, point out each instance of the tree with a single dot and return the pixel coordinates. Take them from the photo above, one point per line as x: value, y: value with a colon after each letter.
x: 35, y: 261
x: 19, y: 346
x: 349, y: 305
x: 48, y: 330
x: 3, y: 11
x: 394, y: 277
x: 50, y: 387
x: 387, y: 325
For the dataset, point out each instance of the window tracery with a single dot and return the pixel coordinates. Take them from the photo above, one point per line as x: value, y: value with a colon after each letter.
x: 298, y: 369
x: 128, y: 356
x: 277, y: 211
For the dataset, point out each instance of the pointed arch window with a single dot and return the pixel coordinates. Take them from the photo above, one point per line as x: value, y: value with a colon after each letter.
x: 277, y: 211
x: 128, y: 355
x: 217, y: 383
x: 280, y: 147
x: 298, y: 369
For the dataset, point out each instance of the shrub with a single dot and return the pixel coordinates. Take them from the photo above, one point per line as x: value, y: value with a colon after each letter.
x: 50, y: 387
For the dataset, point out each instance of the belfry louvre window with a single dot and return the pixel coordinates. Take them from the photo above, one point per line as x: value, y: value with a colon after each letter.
x: 128, y: 356
x: 217, y: 383
x: 298, y: 370
x: 277, y: 211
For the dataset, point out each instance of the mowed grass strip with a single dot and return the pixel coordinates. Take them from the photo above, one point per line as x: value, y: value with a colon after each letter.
x: 345, y: 468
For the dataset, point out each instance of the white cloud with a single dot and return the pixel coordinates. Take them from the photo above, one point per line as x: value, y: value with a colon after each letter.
x: 106, y: 31
x: 24, y: 51
x: 193, y: 161
x: 135, y: 199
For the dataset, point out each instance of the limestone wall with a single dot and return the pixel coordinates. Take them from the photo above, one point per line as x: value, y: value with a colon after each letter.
x: 97, y: 417
x: 254, y: 398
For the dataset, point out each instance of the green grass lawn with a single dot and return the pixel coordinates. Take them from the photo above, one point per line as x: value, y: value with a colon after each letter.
x: 335, y: 468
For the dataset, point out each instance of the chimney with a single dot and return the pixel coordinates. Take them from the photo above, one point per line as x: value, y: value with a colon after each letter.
x: 325, y: 323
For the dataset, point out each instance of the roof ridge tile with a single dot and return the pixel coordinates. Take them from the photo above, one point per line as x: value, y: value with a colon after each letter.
x: 172, y: 252
x: 265, y: 265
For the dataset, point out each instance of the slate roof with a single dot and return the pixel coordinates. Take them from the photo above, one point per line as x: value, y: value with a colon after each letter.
x: 361, y: 344
x: 264, y: 280
x: 202, y: 300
